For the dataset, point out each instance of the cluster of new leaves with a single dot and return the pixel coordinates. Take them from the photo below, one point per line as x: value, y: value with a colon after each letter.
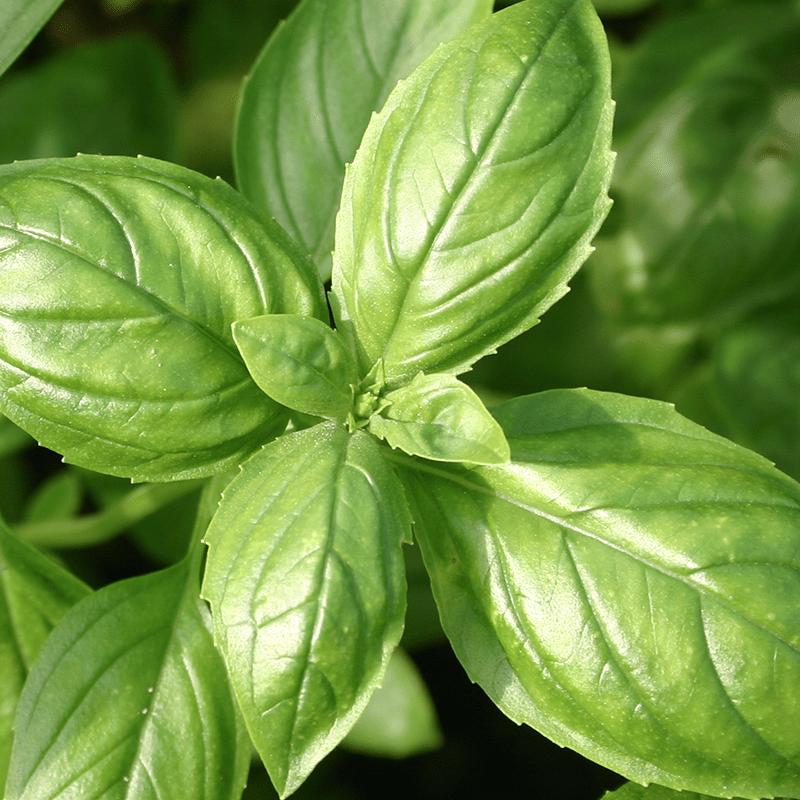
x: 610, y: 573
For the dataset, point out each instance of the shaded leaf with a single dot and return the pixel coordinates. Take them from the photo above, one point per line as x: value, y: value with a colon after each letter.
x: 630, y: 586
x: 116, y: 97
x: 308, y: 100
x: 475, y: 192
x: 20, y: 21
x: 306, y: 582
x: 119, y: 281
x: 399, y: 719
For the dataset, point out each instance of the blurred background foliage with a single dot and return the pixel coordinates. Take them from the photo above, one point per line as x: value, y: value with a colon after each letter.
x: 692, y: 296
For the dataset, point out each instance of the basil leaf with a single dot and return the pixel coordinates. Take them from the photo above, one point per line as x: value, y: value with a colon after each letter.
x: 308, y: 100
x: 306, y: 583
x: 129, y: 697
x: 400, y: 719
x: 438, y: 417
x: 757, y: 375
x: 708, y: 176
x: 115, y: 96
x: 119, y: 281
x: 20, y: 21
x: 300, y: 362
x: 35, y: 594
x: 476, y: 190
x: 630, y: 586
x: 632, y: 791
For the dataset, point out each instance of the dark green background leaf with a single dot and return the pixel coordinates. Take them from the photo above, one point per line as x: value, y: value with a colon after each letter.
x: 116, y: 97
x: 476, y: 191
x: 630, y: 586
x: 35, y: 594
x: 310, y: 96
x: 306, y: 582
x: 20, y: 21
x: 129, y: 698
x: 119, y: 281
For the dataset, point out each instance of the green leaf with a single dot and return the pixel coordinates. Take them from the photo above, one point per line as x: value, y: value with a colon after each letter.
x: 309, y: 98
x: 119, y: 281
x: 116, y: 96
x: 757, y: 374
x: 306, y: 582
x: 438, y: 417
x: 708, y: 177
x: 476, y: 191
x: 20, y: 21
x: 632, y: 791
x: 400, y: 719
x: 58, y: 498
x: 630, y: 586
x: 300, y: 362
x: 35, y: 594
x: 129, y: 698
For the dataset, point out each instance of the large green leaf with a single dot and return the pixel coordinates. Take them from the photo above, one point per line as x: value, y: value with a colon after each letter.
x: 708, y: 178
x: 309, y: 98
x: 119, y: 281
x: 476, y: 191
x: 630, y: 586
x: 129, y: 699
x: 20, y: 21
x: 115, y: 96
x: 306, y: 582
x: 35, y: 594
x: 633, y: 791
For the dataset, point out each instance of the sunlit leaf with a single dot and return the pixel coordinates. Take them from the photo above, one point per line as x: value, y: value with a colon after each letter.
x: 630, y: 586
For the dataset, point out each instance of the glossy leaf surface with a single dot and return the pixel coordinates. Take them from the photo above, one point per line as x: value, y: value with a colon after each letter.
x: 306, y: 582
x: 35, y: 594
x: 475, y: 191
x: 116, y: 97
x: 300, y: 362
x: 129, y: 698
x: 438, y: 417
x: 633, y: 791
x: 630, y: 586
x: 119, y: 281
x: 309, y: 98
x: 20, y: 21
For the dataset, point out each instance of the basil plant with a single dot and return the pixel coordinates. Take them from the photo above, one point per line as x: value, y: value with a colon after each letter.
x: 610, y: 573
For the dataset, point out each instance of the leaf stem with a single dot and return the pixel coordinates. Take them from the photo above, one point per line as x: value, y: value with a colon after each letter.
x: 106, y: 524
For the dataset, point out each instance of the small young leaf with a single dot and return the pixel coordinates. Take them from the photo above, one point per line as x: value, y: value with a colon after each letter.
x: 129, y: 698
x: 438, y: 417
x: 476, y: 190
x: 399, y: 719
x: 306, y: 582
x: 300, y: 362
x: 309, y: 98
x: 34, y: 594
x: 119, y: 281
x: 630, y: 586
x: 20, y: 21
